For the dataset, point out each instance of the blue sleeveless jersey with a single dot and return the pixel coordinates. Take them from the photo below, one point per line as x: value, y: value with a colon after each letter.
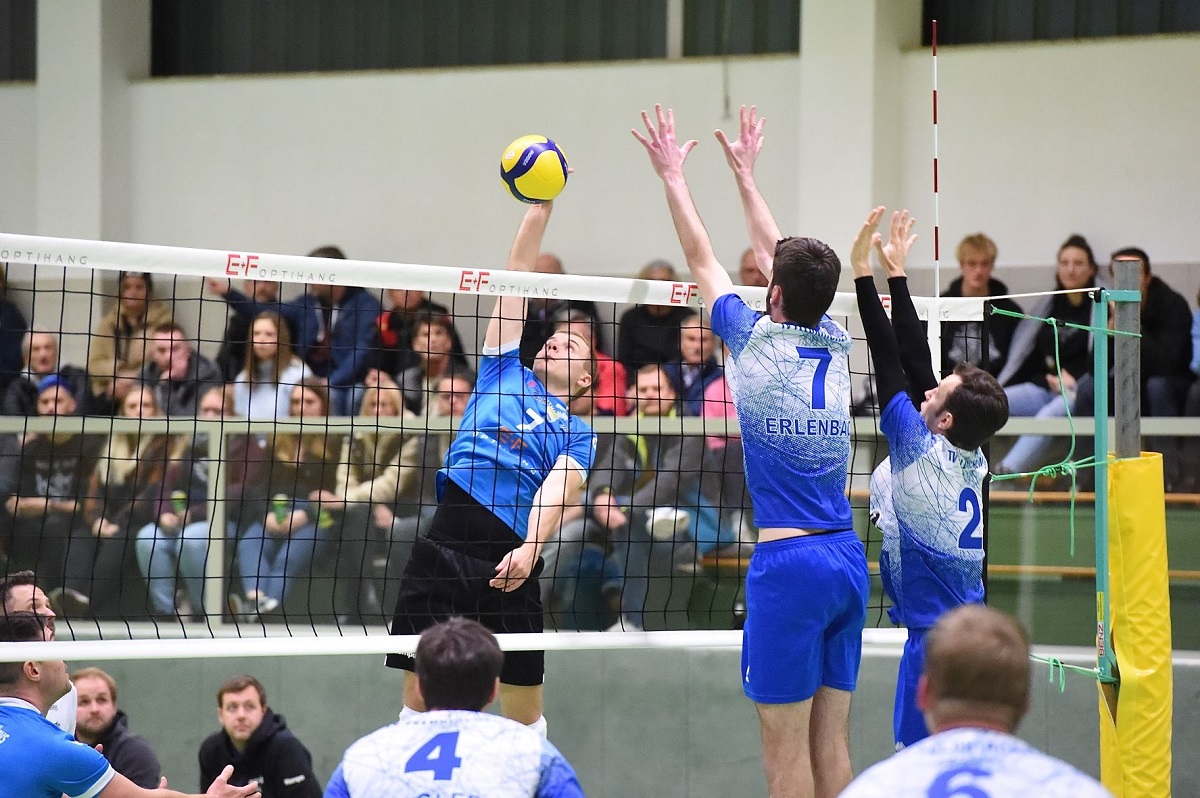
x: 512, y: 433
x: 791, y: 389
x: 38, y: 759
x: 926, y: 500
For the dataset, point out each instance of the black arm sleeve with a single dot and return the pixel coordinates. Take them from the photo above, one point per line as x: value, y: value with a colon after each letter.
x: 912, y: 341
x: 885, y: 353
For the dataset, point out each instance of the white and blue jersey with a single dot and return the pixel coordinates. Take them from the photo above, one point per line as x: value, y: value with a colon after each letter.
x: 973, y: 762
x: 926, y: 500
x: 39, y: 759
x: 454, y: 754
x: 512, y: 433
x: 791, y: 389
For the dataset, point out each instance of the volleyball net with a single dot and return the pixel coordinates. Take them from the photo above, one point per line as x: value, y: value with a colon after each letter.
x: 204, y: 444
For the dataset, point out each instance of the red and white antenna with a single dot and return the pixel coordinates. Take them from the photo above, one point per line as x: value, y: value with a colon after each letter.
x: 937, y: 255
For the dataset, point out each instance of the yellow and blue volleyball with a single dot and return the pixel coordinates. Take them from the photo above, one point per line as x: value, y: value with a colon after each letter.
x: 534, y: 169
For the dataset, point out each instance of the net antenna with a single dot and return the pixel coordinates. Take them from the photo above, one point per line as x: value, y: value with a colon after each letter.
x: 935, y: 330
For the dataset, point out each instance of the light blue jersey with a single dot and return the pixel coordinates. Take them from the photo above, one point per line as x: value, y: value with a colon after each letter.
x: 791, y: 389
x: 454, y: 754
x: 973, y: 762
x: 39, y: 759
x: 926, y: 500
x: 512, y: 433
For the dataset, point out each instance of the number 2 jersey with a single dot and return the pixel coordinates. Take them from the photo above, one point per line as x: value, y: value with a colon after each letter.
x: 454, y: 754
x: 791, y: 389
x: 973, y: 763
x: 925, y: 499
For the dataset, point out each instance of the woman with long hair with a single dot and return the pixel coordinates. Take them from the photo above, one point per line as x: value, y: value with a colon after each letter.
x: 263, y: 389
x: 286, y: 501
x: 120, y: 342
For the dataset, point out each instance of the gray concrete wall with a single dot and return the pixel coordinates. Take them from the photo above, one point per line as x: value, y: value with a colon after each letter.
x: 662, y: 723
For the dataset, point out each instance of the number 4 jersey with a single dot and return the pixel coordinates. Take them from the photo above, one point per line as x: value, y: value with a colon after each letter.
x: 925, y: 499
x: 453, y: 754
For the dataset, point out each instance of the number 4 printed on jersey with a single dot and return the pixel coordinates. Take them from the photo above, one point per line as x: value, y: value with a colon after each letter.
x: 438, y: 755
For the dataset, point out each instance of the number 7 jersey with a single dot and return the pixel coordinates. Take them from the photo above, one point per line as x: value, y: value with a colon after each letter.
x: 926, y: 500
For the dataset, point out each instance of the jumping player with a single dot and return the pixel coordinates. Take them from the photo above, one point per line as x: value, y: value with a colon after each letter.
x: 926, y: 495
x: 806, y: 589
x: 519, y: 458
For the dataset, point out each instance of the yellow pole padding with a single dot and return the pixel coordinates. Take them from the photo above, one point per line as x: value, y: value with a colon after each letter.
x: 1135, y: 744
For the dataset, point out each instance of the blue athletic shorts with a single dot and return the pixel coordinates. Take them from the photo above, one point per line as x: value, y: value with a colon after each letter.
x: 806, y: 603
x: 908, y: 722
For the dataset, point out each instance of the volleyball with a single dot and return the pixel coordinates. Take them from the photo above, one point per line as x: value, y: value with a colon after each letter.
x: 534, y: 169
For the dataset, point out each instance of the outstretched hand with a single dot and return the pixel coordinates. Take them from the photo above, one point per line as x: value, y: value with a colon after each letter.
x: 742, y: 152
x: 894, y: 253
x: 860, y: 250
x: 666, y: 156
x: 222, y: 787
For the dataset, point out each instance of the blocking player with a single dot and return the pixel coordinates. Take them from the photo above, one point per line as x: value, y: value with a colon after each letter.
x: 519, y: 458
x: 454, y: 748
x: 806, y: 588
x: 926, y: 495
x: 20, y: 593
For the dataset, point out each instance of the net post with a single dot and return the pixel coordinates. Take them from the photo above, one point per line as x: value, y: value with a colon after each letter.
x: 1127, y: 370
x: 214, y: 564
x: 1105, y: 661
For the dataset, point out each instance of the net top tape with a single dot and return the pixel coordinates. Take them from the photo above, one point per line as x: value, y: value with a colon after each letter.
x: 222, y: 264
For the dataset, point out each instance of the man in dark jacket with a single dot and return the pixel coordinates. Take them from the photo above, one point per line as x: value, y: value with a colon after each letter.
x: 962, y: 341
x: 100, y: 722
x: 40, y: 353
x: 177, y: 373
x: 258, y: 743
x: 345, y: 342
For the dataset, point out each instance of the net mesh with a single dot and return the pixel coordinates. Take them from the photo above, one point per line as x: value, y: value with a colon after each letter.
x: 194, y: 445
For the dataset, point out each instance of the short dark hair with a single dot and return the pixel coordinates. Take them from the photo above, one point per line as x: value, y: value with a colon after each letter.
x: 458, y: 661
x: 807, y: 271
x: 328, y: 251
x: 19, y: 627
x: 1133, y: 252
x: 979, y: 407
x: 237, y: 684
x: 15, y: 579
x: 977, y: 665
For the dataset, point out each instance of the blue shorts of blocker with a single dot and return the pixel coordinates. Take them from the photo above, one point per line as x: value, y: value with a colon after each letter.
x: 908, y: 722
x: 806, y: 603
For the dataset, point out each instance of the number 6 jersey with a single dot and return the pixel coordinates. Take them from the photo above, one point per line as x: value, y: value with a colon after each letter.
x: 453, y: 754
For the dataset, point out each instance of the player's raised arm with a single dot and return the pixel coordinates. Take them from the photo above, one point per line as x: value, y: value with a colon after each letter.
x: 741, y: 154
x: 561, y: 489
x: 667, y: 157
x: 915, y: 357
x: 881, y: 339
x: 508, y: 317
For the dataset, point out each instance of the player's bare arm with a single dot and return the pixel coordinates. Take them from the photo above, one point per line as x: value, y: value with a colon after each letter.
x: 667, y: 158
x: 508, y: 316
x: 741, y: 155
x: 561, y: 489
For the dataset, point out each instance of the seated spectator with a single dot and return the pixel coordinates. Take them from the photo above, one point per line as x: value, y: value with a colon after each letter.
x: 121, y: 341
x: 257, y: 743
x: 298, y: 313
x: 176, y: 372
x: 285, y: 499
x: 650, y: 333
x: 458, y: 674
x: 540, y: 313
x: 962, y: 341
x: 749, y: 272
x: 433, y: 342
x: 175, y: 545
x: 367, y: 477
x: 393, y: 350
x: 608, y: 392
x: 1189, y: 467
x: 101, y: 723
x: 974, y: 693
x: 697, y: 364
x: 13, y: 328
x: 726, y: 456
x: 345, y: 340
x: 1031, y: 376
x: 122, y: 498
x: 263, y: 388
x: 45, y: 482
x: 40, y: 356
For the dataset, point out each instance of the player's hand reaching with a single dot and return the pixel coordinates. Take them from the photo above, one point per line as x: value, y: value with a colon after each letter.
x: 860, y: 250
x: 894, y: 253
x: 515, y: 568
x: 666, y: 156
x: 222, y: 787
x: 742, y: 152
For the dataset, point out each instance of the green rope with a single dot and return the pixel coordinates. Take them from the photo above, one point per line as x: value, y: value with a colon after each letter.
x: 1090, y: 328
x: 1061, y: 668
